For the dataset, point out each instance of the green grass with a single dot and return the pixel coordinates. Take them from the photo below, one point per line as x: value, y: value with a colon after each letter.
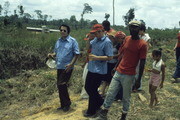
x: 31, y: 89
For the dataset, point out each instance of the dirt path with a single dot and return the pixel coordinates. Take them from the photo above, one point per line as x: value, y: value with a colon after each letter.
x: 46, y: 109
x: 49, y: 112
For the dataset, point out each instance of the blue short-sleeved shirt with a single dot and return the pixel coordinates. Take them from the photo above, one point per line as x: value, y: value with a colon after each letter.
x: 102, y: 47
x: 65, y: 51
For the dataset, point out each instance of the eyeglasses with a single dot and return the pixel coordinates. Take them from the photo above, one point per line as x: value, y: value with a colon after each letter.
x: 63, y: 30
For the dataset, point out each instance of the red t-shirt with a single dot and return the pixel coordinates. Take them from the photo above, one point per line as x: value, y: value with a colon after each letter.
x: 132, y: 51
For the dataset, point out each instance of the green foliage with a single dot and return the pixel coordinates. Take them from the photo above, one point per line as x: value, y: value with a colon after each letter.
x: 107, y: 16
x: 158, y: 36
x: 21, y: 10
x: 93, y: 22
x: 43, y: 85
x: 21, y: 50
x: 129, y: 16
x: 76, y: 79
x: 80, y: 35
x: 6, y: 8
x: 33, y: 89
x: 1, y: 9
x: 87, y: 9
x: 42, y: 19
x: 39, y: 14
x: 28, y: 50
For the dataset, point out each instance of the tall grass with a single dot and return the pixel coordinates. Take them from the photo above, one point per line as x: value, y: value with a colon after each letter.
x: 32, y: 89
x: 20, y: 45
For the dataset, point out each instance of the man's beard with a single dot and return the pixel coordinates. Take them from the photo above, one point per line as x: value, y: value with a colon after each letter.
x: 134, y: 35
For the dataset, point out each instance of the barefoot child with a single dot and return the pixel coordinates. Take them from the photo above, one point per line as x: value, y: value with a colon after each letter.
x: 155, y: 78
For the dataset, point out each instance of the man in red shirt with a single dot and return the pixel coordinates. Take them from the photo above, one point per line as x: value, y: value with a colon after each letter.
x: 132, y: 50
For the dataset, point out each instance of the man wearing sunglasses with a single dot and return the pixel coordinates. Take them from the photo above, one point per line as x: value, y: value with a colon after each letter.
x: 101, y: 51
x: 66, y: 52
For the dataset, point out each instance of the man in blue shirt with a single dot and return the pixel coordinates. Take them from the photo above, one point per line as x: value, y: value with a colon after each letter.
x: 66, y: 52
x: 101, y: 51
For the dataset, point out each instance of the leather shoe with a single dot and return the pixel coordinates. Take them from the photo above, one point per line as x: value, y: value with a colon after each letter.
x: 65, y: 109
x: 60, y: 108
x: 85, y: 114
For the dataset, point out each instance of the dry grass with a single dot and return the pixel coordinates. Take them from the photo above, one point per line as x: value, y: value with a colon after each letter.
x: 33, y: 96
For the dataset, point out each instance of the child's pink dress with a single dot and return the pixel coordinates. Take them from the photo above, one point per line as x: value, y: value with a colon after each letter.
x: 155, y: 79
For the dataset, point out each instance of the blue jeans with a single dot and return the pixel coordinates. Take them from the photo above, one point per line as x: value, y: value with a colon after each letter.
x: 120, y: 80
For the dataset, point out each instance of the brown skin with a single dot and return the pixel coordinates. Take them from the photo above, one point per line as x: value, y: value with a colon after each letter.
x: 152, y: 89
x: 141, y: 70
x: 118, y: 40
x: 134, y: 31
x: 90, y: 37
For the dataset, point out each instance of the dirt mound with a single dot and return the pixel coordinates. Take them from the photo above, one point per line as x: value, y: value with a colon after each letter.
x: 14, y: 61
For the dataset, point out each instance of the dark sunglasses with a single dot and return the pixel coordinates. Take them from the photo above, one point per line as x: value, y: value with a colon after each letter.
x: 63, y: 30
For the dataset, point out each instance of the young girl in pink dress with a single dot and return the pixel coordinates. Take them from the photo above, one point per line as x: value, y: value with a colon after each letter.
x: 157, y: 76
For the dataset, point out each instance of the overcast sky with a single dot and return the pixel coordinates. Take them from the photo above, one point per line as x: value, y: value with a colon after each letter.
x: 155, y: 13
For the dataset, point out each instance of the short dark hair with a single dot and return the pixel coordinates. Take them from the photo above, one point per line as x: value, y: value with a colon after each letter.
x: 143, y: 27
x: 157, y: 52
x: 68, y: 28
x: 106, y: 23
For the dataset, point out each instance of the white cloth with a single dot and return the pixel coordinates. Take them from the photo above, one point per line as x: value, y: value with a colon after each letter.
x: 145, y: 37
x: 83, y: 92
x: 157, y: 65
x: 51, y: 63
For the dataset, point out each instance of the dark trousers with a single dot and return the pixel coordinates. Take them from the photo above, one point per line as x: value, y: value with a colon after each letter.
x: 62, y: 80
x: 177, y: 71
x: 93, y: 81
x: 109, y: 76
x: 177, y: 53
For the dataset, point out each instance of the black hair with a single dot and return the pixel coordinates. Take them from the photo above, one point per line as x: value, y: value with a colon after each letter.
x: 106, y: 22
x: 143, y: 27
x: 157, y: 52
x: 68, y: 28
x: 106, y: 25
